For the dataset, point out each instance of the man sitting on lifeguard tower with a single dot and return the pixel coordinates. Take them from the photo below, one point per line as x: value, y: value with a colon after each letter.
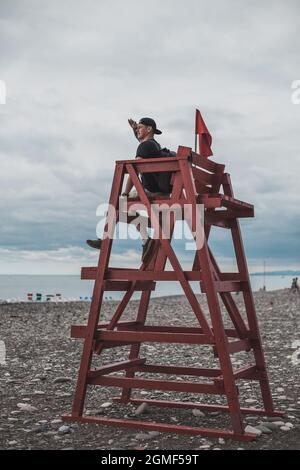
x: 155, y: 184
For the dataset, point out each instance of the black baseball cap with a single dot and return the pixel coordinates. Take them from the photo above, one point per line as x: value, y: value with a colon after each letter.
x: 150, y: 122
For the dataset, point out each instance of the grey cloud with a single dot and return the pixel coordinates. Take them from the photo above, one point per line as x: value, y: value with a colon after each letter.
x: 76, y: 71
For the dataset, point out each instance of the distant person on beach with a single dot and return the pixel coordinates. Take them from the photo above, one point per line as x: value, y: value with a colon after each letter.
x: 295, y: 285
x: 154, y: 184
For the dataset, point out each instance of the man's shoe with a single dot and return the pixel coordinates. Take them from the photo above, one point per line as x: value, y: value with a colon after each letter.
x: 148, y: 250
x: 95, y: 243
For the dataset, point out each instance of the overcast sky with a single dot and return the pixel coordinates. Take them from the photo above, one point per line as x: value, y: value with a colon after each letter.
x: 76, y: 70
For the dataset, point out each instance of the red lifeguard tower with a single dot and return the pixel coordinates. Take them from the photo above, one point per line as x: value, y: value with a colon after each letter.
x: 196, y: 180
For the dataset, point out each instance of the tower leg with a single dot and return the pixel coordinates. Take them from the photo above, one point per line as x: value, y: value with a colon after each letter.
x: 86, y: 358
x: 221, y: 340
x: 252, y: 318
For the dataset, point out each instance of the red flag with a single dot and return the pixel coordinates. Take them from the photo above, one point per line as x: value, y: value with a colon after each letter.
x: 205, y: 138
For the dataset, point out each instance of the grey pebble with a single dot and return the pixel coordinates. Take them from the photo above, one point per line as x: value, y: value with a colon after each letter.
x: 269, y: 425
x: 64, y: 430
x: 264, y: 429
x: 144, y: 436
x: 197, y: 412
x: 142, y: 409
x: 60, y: 380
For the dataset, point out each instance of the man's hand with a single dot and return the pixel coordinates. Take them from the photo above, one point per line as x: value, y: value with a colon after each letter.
x: 132, y: 124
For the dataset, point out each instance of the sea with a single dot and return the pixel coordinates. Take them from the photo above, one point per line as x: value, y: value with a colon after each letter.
x: 19, y: 287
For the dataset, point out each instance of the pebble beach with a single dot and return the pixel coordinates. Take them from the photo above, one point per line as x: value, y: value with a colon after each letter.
x: 39, y: 364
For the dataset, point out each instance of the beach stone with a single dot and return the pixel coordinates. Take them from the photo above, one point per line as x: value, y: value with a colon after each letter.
x: 26, y: 407
x: 64, y: 430
x: 40, y: 428
x: 27, y: 421
x: 253, y: 430
x: 41, y: 378
x: 60, y: 380
x: 264, y: 429
x: 197, y: 412
x: 285, y: 428
x: 141, y: 436
x: 153, y: 434
x: 94, y: 412
x: 13, y: 381
x: 106, y: 404
x: 143, y: 408
x: 269, y: 425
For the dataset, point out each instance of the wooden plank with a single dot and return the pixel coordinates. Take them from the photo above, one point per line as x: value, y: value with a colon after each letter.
x: 210, y: 202
x: 206, y: 163
x: 113, y: 344
x: 173, y: 370
x: 79, y: 331
x: 203, y: 177
x: 236, y: 204
x: 160, y: 427
x: 216, y: 220
x: 240, y: 345
x: 227, y: 214
x: 228, y: 286
x: 230, y: 332
x: 154, y: 384
x: 201, y: 188
x: 126, y: 285
x: 148, y: 160
x: 236, y: 346
x: 107, y: 369
x: 156, y: 167
x: 152, y: 337
x: 134, y: 274
x: 248, y: 372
